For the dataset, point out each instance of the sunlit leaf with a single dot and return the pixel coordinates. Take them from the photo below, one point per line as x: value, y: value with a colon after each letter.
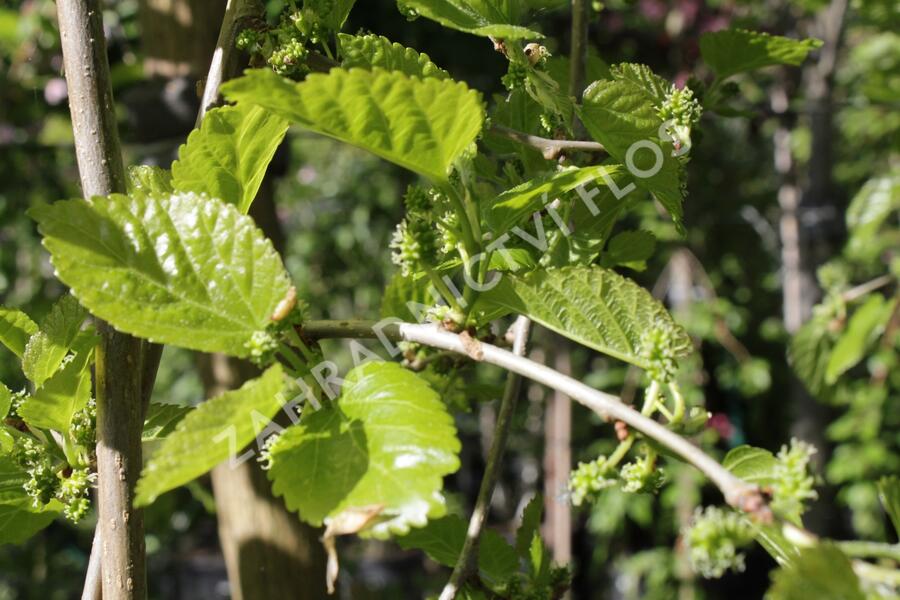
x: 227, y: 156
x: 47, y: 348
x: 387, y: 442
x: 592, y: 306
x: 183, y: 270
x: 423, y: 125
x: 370, y: 51
x: 217, y: 430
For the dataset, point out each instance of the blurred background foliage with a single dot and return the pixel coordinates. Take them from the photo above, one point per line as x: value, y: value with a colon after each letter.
x: 724, y: 280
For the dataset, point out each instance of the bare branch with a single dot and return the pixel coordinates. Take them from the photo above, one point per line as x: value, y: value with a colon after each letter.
x: 468, y: 557
x: 548, y: 147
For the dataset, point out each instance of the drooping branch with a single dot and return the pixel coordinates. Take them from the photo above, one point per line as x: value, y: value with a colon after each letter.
x: 118, y: 356
x: 468, y: 557
x: 738, y: 493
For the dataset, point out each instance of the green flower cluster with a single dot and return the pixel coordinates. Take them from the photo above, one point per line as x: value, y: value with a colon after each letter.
x: 416, y: 242
x: 681, y: 111
x: 642, y: 476
x: 84, y: 425
x: 74, y: 492
x: 261, y: 346
x: 591, y: 478
x: 285, y: 47
x: 658, y: 349
x: 49, y: 479
x: 715, y: 538
x: 33, y: 457
x: 515, y: 77
x: 793, y: 485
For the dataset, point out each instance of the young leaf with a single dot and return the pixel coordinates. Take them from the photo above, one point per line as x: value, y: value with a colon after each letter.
x: 592, y: 306
x: 162, y: 419
x: 387, y: 443
x: 514, y: 205
x: 889, y: 494
x: 227, y: 156
x: 47, y: 348
x: 865, y: 324
x: 809, y: 354
x: 5, y: 401
x: 737, y: 50
x: 338, y: 11
x: 869, y: 210
x: 630, y: 249
x: 531, y: 525
x: 753, y: 465
x: 183, y: 270
x: 442, y: 540
x: 822, y: 572
x: 371, y: 51
x: 621, y: 115
x: 655, y: 88
x: 403, y: 294
x: 487, y: 18
x: 216, y: 430
x: 423, y: 125
x: 52, y: 405
x: 19, y: 519
x: 15, y: 330
x: 149, y: 181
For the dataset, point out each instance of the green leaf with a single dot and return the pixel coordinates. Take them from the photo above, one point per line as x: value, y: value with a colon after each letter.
x: 149, y: 181
x: 162, y: 419
x: 889, y: 494
x: 809, y: 354
x: 47, y: 348
x: 227, y: 156
x: 655, y: 88
x: 531, y: 525
x: 403, y: 294
x: 865, y: 325
x: 630, y: 249
x: 15, y: 329
x: 592, y: 306
x: 513, y: 206
x: 622, y: 116
x: 753, y: 465
x: 387, y: 442
x: 487, y: 18
x: 442, y: 540
x: 737, y: 50
x: 822, y: 572
x: 68, y: 390
x: 216, y: 430
x: 5, y: 401
x: 872, y: 206
x: 184, y: 270
x: 335, y: 17
x: 370, y: 51
x: 423, y: 125
x: 19, y: 519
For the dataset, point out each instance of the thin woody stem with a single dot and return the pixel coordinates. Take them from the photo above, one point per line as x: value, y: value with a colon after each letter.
x: 467, y: 560
x: 118, y: 363
x: 549, y: 148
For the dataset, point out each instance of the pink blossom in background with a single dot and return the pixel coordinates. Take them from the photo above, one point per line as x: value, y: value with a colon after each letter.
x: 722, y: 425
